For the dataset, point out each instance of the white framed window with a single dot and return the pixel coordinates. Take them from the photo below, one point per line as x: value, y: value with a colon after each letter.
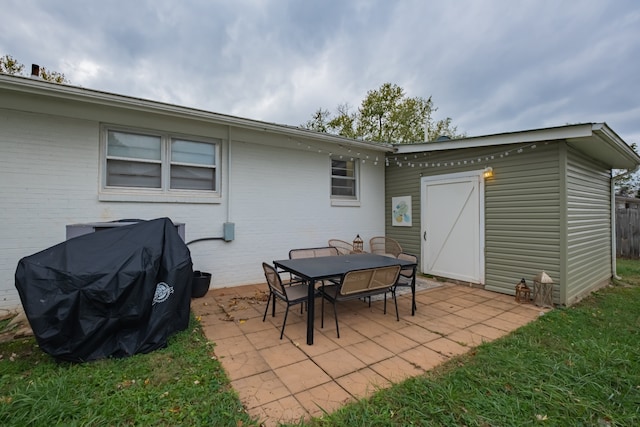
x: 344, y: 182
x: 140, y: 165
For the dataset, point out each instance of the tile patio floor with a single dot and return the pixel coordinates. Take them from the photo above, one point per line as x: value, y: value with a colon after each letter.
x: 285, y: 380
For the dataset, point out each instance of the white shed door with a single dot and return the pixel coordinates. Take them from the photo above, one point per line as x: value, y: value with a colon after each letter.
x: 453, y: 226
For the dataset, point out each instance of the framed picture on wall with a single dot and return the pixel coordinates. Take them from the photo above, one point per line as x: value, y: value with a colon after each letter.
x: 401, y: 211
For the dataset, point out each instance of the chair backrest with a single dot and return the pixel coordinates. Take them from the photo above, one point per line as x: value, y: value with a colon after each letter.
x: 382, y: 245
x: 384, y: 277
x: 370, y: 279
x: 344, y: 248
x: 408, y: 271
x: 356, y: 281
x: 273, y: 279
x: 313, y: 252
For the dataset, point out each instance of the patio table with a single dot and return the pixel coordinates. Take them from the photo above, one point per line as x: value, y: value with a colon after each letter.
x: 321, y: 268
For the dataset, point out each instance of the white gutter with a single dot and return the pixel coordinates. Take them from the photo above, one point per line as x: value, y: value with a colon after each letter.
x: 79, y: 94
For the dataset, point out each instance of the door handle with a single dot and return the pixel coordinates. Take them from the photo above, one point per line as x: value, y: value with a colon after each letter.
x: 424, y: 235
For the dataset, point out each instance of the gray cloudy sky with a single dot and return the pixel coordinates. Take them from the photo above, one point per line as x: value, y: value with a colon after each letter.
x: 492, y: 66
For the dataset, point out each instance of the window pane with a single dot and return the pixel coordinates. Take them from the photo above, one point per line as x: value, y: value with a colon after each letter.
x: 198, y: 153
x: 193, y: 178
x: 133, y: 174
x: 134, y: 146
x: 343, y: 187
x: 342, y: 168
x: 343, y: 178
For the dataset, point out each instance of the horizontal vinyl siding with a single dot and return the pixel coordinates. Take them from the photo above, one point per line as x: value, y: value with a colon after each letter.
x: 588, y: 226
x: 403, y: 182
x: 522, y: 213
x: 522, y: 219
x: 403, y: 177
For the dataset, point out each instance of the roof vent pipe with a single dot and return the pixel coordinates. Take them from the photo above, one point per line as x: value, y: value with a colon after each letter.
x: 35, y: 71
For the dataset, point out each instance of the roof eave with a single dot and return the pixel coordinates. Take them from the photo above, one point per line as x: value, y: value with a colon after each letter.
x: 594, y: 139
x: 79, y: 94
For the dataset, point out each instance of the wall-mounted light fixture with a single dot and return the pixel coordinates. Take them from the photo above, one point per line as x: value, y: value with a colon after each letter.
x: 488, y: 172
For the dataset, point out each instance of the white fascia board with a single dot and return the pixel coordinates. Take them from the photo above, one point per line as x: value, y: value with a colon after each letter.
x: 78, y: 94
x: 529, y: 136
x: 620, y: 155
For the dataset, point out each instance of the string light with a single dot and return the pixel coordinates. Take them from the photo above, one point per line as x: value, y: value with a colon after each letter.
x: 346, y: 149
x: 470, y: 161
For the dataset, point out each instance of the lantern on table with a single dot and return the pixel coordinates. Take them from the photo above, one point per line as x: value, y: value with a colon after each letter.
x: 523, y: 292
x: 358, y: 245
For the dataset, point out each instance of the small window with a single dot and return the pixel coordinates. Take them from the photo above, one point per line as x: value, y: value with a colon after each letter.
x: 145, y: 163
x: 344, y: 182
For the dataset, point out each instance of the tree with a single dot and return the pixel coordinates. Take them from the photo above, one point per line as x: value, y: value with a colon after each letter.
x: 628, y: 185
x: 52, y: 76
x: 8, y: 65
x: 319, y: 121
x: 385, y: 115
x: 344, y: 123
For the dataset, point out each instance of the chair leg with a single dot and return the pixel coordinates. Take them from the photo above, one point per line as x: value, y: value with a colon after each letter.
x: 385, y: 303
x: 335, y: 314
x: 273, y: 307
x: 322, y: 314
x: 284, y: 322
x: 266, y: 309
x: 395, y: 300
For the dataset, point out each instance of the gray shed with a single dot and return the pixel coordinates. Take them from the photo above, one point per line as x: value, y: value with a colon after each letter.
x: 493, y: 209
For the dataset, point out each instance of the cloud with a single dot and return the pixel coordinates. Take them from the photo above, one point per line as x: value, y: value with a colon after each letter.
x: 492, y: 66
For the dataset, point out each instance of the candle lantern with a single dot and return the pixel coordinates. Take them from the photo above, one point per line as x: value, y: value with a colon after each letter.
x: 543, y: 290
x: 358, y: 245
x: 523, y: 292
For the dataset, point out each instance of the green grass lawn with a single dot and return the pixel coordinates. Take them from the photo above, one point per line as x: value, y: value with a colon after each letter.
x: 572, y: 367
x: 183, y: 384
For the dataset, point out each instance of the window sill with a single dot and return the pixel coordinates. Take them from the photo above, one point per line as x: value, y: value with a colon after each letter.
x: 119, y: 196
x: 338, y: 202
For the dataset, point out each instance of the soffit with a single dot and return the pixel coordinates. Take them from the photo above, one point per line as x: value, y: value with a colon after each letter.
x: 595, y: 140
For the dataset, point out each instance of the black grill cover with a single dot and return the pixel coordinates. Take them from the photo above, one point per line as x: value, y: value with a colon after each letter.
x: 112, y: 293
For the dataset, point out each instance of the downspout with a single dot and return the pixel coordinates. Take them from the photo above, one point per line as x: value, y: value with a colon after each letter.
x: 228, y: 186
x: 614, y: 179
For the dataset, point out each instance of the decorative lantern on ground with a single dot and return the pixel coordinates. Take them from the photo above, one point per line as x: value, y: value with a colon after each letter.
x: 543, y: 290
x: 523, y: 292
x: 358, y: 245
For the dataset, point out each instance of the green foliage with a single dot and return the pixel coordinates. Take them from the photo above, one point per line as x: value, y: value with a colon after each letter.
x: 573, y: 366
x: 344, y: 124
x: 627, y: 185
x: 388, y: 115
x: 8, y: 65
x: 318, y: 121
x: 179, y: 385
x: 52, y: 76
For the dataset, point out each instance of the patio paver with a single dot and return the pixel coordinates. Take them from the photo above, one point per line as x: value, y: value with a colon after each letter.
x: 286, y: 380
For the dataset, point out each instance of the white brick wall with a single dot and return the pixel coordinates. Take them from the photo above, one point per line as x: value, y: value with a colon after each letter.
x: 279, y: 200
